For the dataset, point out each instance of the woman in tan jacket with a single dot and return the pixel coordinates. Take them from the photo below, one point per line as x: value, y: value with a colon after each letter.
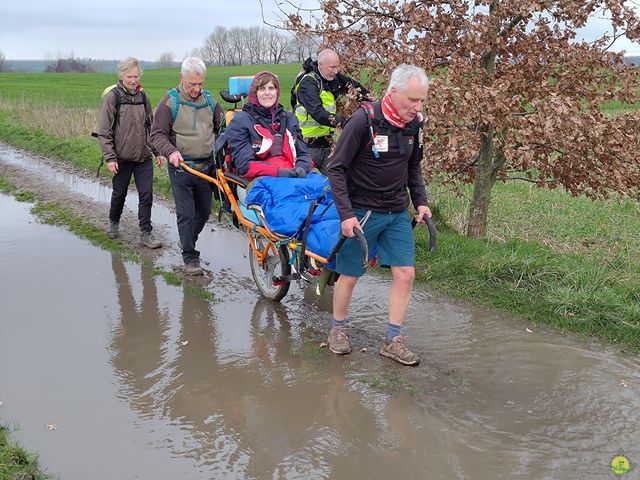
x: 123, y: 131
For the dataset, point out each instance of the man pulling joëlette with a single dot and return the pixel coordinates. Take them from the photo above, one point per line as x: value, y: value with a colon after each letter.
x: 377, y: 158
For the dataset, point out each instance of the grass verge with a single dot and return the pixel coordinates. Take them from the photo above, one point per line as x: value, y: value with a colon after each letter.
x: 569, y: 292
x: 15, y: 461
x: 80, y: 152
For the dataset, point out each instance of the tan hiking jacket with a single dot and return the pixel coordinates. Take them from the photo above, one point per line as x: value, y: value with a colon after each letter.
x: 125, y: 138
x: 193, y: 133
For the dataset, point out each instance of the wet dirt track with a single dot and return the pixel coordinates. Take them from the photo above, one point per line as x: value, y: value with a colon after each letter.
x: 145, y: 380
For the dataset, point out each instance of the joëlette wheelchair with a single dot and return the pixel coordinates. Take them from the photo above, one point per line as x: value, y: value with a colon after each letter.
x: 275, y: 260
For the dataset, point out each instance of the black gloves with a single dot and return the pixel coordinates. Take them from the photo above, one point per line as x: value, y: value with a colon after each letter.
x: 297, y: 172
x: 287, y: 172
x: 338, y: 121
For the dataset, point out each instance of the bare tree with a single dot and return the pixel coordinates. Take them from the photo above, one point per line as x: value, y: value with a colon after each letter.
x: 166, y: 60
x: 303, y: 46
x: 194, y: 52
x: 278, y: 46
x: 256, y: 44
x: 213, y: 46
x: 216, y: 49
x: 63, y: 65
x: 237, y: 45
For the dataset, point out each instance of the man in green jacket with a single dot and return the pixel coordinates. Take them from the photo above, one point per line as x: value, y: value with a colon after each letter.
x: 184, y: 129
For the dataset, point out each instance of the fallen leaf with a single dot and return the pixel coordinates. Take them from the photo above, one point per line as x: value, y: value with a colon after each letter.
x: 363, y: 349
x: 323, y: 344
x: 186, y: 342
x: 528, y: 330
x: 52, y: 426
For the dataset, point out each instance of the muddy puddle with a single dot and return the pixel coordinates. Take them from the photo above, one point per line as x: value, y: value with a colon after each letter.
x: 144, y: 380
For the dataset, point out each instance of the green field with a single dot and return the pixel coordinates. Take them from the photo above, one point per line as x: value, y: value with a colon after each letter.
x: 562, y: 261
x: 83, y: 90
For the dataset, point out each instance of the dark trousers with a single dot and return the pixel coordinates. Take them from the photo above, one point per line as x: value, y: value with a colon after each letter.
x: 320, y: 157
x: 143, y: 176
x: 193, y: 207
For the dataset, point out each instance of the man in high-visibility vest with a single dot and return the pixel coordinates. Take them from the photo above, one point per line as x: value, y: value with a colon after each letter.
x: 313, y: 99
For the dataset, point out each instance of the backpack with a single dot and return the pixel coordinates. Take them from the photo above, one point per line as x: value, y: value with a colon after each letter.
x: 117, y: 101
x: 116, y: 116
x: 210, y: 102
x: 296, y: 84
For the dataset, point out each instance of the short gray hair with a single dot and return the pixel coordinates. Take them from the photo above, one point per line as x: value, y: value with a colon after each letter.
x: 405, y: 72
x: 128, y: 64
x: 193, y: 64
x: 326, y: 54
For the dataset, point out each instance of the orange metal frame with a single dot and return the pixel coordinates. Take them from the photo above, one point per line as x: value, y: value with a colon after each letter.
x: 222, y: 182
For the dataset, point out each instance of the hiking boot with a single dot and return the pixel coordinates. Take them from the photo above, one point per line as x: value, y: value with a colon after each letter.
x: 112, y: 229
x: 399, y: 352
x: 149, y: 241
x: 193, y: 268
x: 338, y: 341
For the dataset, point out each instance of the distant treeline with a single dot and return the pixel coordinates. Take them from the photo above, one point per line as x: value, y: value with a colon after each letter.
x: 293, y: 51
x: 632, y: 60
x: 90, y: 65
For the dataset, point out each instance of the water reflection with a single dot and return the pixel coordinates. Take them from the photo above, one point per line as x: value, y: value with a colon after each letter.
x: 242, y: 390
x: 251, y: 396
x: 278, y: 409
x: 139, y: 336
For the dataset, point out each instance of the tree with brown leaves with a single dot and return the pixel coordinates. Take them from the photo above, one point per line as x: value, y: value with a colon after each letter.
x: 515, y: 93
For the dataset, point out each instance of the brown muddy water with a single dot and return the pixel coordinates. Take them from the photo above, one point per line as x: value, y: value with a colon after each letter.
x: 145, y: 380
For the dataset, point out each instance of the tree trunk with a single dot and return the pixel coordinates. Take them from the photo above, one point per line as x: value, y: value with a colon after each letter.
x: 485, y: 178
x: 485, y: 167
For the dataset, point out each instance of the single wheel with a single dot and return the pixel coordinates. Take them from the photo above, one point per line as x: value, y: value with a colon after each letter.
x: 276, y: 263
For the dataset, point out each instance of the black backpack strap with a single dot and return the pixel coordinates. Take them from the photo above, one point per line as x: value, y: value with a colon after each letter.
x: 118, y: 103
x: 282, y: 123
x: 147, y: 118
x: 294, y: 96
x: 116, y: 115
x: 368, y: 108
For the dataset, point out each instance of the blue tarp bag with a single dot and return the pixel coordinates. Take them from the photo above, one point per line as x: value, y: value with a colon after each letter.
x: 285, y: 205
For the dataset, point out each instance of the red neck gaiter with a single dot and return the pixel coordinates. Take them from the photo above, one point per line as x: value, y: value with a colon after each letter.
x: 390, y: 113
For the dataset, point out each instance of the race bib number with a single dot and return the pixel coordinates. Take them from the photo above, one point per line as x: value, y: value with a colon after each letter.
x: 382, y: 143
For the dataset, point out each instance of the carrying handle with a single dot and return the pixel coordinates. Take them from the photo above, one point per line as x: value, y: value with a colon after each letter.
x: 364, y: 248
x: 432, y: 231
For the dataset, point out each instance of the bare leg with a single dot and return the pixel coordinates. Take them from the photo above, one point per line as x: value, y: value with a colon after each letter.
x: 398, y: 302
x: 399, y: 295
x: 342, y: 296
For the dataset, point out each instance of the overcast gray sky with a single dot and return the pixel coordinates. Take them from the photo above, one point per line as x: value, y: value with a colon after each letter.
x: 115, y: 29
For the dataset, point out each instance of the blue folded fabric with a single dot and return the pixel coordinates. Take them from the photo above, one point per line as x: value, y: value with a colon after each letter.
x: 285, y: 205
